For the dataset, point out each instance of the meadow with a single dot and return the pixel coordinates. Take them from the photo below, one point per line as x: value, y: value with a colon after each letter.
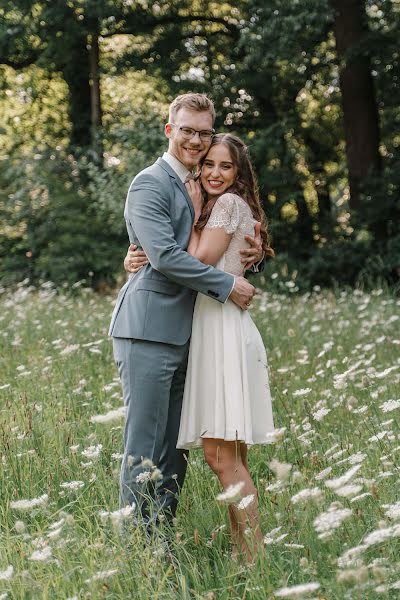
x: 328, y: 483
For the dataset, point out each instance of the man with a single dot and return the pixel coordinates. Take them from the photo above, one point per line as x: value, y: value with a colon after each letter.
x: 151, y: 323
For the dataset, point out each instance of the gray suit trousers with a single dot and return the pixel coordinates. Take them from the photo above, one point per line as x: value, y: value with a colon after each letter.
x: 153, y: 379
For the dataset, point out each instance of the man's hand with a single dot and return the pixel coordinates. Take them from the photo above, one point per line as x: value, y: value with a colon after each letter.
x: 242, y: 293
x: 254, y: 254
x: 135, y: 259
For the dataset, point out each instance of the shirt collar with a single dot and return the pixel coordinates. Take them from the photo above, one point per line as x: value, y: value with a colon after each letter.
x: 176, y: 165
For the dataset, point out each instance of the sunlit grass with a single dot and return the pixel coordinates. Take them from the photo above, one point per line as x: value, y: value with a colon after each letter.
x: 334, y: 369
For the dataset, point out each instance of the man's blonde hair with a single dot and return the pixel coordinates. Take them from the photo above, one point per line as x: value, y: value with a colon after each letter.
x: 191, y: 101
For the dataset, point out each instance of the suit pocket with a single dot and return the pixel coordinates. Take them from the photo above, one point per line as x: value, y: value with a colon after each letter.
x: 162, y: 287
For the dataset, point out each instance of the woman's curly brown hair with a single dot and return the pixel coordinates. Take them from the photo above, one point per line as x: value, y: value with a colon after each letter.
x: 245, y: 186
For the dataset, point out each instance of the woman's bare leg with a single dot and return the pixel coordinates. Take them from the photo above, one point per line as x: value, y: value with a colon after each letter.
x: 226, y: 461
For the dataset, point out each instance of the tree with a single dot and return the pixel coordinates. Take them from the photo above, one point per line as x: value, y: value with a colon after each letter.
x: 360, y: 112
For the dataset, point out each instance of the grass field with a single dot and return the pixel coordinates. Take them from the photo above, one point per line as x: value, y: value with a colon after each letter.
x: 332, y: 519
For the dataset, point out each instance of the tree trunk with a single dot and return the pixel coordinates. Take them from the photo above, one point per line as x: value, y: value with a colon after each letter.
x: 94, y: 60
x: 360, y: 113
x: 76, y: 75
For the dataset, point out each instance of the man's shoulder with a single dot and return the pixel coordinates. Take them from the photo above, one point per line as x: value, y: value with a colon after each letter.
x: 151, y: 173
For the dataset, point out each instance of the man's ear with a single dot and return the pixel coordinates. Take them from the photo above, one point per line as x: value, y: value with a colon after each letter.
x: 168, y: 130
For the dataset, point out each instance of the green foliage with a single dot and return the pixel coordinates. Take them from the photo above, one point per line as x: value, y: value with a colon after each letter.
x: 271, y: 68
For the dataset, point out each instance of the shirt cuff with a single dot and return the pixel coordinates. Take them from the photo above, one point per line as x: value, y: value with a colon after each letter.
x: 227, y: 298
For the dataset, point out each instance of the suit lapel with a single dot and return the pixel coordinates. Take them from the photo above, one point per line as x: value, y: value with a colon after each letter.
x: 177, y: 182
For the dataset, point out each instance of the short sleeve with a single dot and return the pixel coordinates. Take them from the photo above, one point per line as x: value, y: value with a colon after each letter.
x: 225, y: 214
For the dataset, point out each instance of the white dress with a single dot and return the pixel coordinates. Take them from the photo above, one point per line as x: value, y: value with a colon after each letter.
x: 227, y: 392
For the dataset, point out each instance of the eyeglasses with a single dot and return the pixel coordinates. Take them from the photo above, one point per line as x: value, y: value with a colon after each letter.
x: 188, y: 133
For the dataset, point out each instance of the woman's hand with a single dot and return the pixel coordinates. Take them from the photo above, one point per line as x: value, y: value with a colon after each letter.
x: 135, y: 259
x: 194, y: 190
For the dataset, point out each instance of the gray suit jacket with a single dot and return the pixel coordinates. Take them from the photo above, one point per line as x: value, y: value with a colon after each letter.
x: 157, y: 302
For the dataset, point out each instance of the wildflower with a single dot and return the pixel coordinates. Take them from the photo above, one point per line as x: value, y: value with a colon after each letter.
x: 307, y: 494
x: 143, y: 477
x: 19, y: 526
x: 7, y: 574
x: 92, y: 451
x: 41, y: 555
x: 353, y: 575
x: 347, y: 491
x: 281, y: 470
x: 296, y: 591
x: 331, y: 519
x: 323, y: 474
x: 360, y: 497
x: 321, y: 413
x: 117, y: 516
x: 69, y: 349
x: 390, y: 405
x: 101, y: 575
x: 112, y: 415
x: 393, y: 510
x: 273, y: 538
x: 381, y: 535
x: 231, y: 494
x: 245, y: 502
x: 72, y: 485
x: 357, y: 458
x: 351, y: 558
x: 340, y: 481
x: 28, y: 504
x: 302, y: 392
x: 275, y: 436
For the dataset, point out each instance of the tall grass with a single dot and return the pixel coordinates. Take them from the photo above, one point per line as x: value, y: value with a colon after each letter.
x: 334, y: 362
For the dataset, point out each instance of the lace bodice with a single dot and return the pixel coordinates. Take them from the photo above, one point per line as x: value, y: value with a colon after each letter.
x: 233, y: 214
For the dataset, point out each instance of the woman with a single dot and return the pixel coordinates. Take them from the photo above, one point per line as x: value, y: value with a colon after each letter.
x: 227, y: 403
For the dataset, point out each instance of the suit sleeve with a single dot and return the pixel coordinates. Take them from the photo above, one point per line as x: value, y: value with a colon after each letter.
x: 148, y: 211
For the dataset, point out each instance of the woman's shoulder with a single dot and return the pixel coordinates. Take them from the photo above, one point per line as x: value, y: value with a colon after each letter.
x: 230, y: 199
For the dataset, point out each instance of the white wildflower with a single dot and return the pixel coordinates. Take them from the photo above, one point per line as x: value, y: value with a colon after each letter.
x: 281, y: 470
x: 392, y: 510
x: 379, y: 436
x: 232, y: 493
x: 101, y: 575
x: 275, y: 436
x: 295, y: 546
x: 28, y: 504
x: 41, y: 555
x: 19, y: 526
x: 72, y: 485
x: 306, y: 495
x: 92, y: 452
x: 321, y: 413
x: 273, y: 538
x: 276, y: 486
x: 381, y: 535
x: 341, y: 481
x: 117, y: 516
x: 353, y: 575
x: 301, y: 392
x: 323, y: 474
x: 7, y: 574
x: 351, y: 558
x: 297, y: 591
x: 69, y: 349
x: 331, y: 519
x: 143, y: 477
x: 346, y: 491
x: 245, y: 502
x: 390, y: 405
x: 112, y: 415
x: 357, y: 458
x: 360, y: 497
